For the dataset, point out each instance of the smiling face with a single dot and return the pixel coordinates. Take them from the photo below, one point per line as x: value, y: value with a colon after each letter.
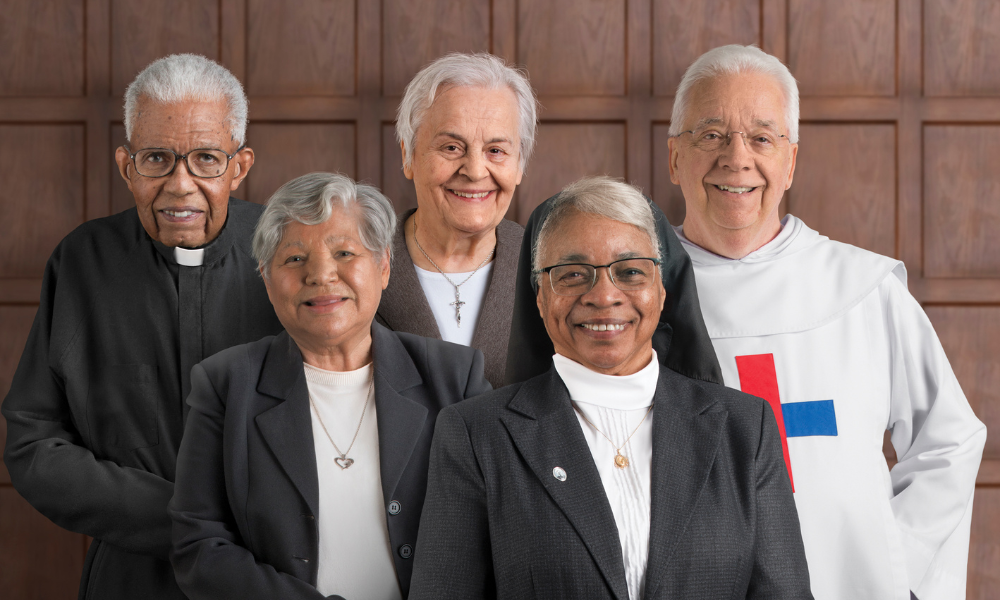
x: 466, y: 158
x: 606, y: 330
x: 732, y: 195
x: 179, y: 209
x: 325, y: 285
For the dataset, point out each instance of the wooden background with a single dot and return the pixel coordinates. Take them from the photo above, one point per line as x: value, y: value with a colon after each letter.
x: 900, y: 143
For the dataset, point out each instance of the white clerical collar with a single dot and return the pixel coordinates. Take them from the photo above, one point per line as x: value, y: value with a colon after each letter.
x: 621, y: 392
x: 187, y: 257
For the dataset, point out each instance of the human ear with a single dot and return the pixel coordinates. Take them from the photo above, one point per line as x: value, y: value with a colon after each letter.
x: 244, y: 160
x: 124, y: 165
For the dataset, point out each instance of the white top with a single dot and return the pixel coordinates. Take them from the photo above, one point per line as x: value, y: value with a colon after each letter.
x: 186, y: 257
x: 355, y: 557
x: 617, y: 405
x: 441, y: 296
x: 852, y: 353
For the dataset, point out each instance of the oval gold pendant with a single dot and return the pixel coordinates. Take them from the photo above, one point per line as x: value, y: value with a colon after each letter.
x: 621, y: 461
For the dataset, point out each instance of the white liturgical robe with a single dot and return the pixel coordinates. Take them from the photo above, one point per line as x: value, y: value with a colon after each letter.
x: 830, y: 336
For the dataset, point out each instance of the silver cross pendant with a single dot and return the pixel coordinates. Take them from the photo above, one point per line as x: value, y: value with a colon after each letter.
x: 458, y: 304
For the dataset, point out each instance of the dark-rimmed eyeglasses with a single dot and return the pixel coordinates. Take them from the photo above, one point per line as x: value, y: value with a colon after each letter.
x: 763, y: 142
x: 206, y: 163
x: 576, y: 279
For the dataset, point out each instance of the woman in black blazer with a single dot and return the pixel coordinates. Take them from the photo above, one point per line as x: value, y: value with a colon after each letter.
x: 273, y: 498
x: 610, y: 475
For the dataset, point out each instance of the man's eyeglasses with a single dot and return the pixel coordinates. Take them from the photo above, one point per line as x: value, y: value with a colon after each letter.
x: 206, y: 163
x: 576, y: 279
x: 763, y: 142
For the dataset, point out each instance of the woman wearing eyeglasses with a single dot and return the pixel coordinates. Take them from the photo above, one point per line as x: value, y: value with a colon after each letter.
x: 609, y: 475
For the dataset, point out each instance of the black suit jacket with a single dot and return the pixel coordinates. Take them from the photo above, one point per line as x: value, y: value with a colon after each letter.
x: 246, y: 498
x: 95, y: 411
x: 498, y: 524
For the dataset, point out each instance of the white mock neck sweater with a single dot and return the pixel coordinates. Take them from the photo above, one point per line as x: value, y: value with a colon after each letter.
x: 616, y: 405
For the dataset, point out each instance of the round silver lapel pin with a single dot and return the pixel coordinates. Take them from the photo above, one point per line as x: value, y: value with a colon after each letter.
x: 559, y: 473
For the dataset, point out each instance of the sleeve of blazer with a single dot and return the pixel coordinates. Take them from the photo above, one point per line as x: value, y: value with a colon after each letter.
x: 210, y: 560
x: 453, y: 557
x: 51, y: 467
x: 780, y: 569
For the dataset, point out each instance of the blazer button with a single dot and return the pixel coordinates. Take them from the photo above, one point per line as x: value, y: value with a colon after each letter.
x: 394, y: 507
x: 405, y: 551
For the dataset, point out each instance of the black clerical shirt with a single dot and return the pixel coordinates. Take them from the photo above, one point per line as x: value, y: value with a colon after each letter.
x: 96, y: 408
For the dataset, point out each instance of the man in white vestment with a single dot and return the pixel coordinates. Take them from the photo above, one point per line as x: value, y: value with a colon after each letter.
x: 830, y: 336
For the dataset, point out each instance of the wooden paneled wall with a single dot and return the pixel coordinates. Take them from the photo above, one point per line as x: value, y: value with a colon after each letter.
x: 900, y: 142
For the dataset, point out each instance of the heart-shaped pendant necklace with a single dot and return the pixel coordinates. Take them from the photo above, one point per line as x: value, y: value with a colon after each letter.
x: 343, y: 461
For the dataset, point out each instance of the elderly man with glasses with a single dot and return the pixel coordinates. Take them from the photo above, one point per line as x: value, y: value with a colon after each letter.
x: 129, y: 304
x: 830, y: 336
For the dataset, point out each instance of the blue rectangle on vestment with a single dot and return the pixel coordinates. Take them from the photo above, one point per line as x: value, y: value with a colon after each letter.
x: 809, y: 418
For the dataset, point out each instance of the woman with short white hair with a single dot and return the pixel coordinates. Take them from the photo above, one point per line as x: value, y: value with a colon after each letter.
x: 303, y: 465
x: 466, y: 128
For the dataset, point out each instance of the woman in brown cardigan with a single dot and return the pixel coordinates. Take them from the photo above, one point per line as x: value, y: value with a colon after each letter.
x: 466, y: 127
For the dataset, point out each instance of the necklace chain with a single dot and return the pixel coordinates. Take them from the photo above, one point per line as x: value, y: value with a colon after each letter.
x: 621, y: 461
x: 458, y: 299
x: 344, y: 461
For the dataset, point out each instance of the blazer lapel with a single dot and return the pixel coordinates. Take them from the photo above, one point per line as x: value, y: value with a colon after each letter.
x: 287, y: 427
x: 400, y: 420
x: 499, y: 298
x: 685, y: 441
x: 547, y: 434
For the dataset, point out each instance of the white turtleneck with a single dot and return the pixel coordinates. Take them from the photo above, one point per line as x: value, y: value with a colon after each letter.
x: 616, y: 405
x: 355, y: 556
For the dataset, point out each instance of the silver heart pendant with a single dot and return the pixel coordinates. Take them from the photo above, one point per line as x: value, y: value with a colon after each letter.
x: 343, y: 462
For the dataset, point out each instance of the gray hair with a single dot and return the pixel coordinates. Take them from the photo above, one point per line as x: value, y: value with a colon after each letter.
x: 310, y: 200
x: 737, y: 60
x: 603, y: 196
x: 180, y: 77
x: 466, y: 70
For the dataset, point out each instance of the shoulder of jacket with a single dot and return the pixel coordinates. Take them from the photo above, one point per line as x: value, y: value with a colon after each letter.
x: 488, y: 406
x: 236, y: 357
x: 722, y: 397
x: 435, y: 350
x: 103, y: 238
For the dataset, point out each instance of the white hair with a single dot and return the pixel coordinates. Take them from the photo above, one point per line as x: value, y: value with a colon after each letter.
x: 466, y: 70
x: 310, y: 200
x: 180, y: 77
x: 603, y: 196
x: 737, y: 60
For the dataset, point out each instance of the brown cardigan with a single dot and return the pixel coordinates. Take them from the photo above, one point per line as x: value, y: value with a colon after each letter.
x: 404, y: 306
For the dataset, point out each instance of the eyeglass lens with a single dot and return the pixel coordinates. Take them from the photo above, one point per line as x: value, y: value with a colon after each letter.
x: 158, y: 162
x: 764, y: 142
x: 627, y: 275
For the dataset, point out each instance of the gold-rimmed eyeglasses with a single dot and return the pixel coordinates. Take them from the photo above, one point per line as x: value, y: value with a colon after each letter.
x: 763, y: 142
x: 206, y: 163
x: 576, y: 279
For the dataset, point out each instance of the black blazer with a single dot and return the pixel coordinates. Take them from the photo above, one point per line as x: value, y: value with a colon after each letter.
x: 249, y: 421
x: 498, y: 524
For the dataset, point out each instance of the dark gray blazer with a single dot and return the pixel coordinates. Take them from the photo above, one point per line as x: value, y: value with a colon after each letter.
x: 404, y: 306
x: 246, y: 498
x: 498, y: 524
